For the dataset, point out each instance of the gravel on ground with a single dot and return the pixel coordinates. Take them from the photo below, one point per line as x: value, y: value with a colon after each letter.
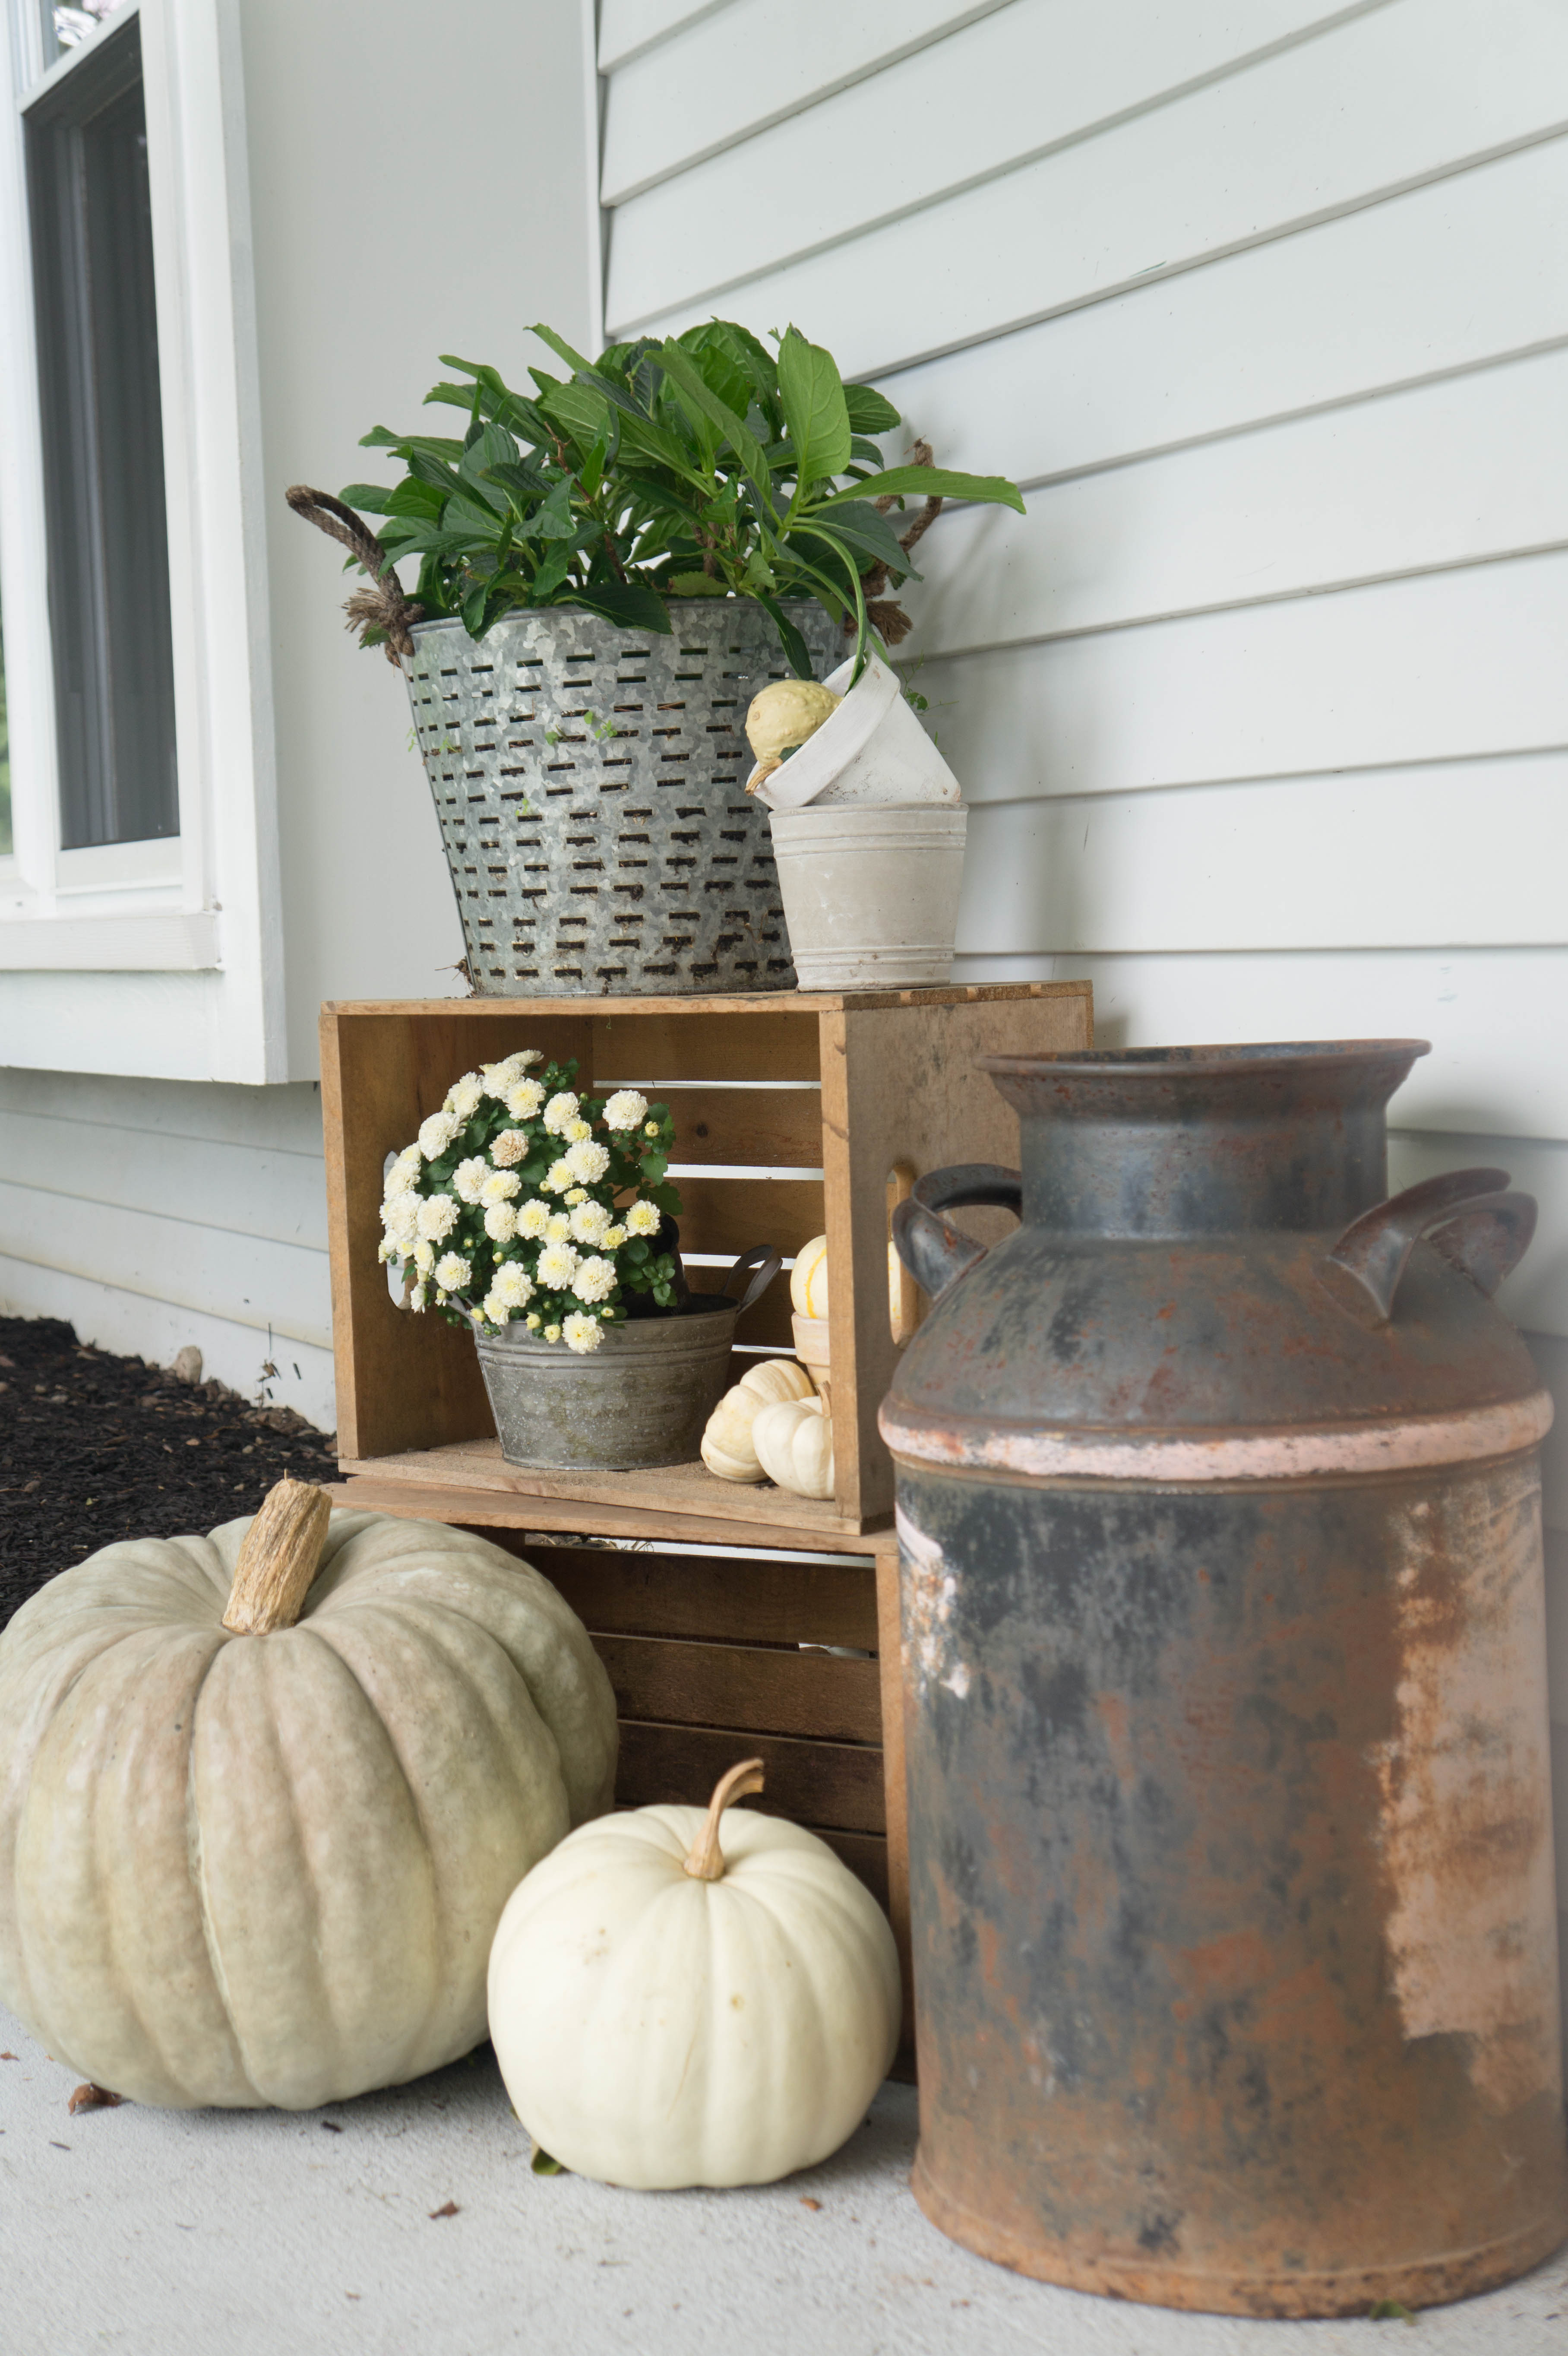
x: 94, y: 1448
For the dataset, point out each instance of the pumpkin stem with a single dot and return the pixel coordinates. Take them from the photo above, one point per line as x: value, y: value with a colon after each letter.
x: 704, y: 1860
x: 278, y: 1559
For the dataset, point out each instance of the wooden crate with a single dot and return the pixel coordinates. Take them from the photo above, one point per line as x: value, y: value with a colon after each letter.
x: 846, y: 1090
x: 704, y: 1648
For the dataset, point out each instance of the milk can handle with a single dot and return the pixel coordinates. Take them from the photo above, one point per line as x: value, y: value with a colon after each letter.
x: 765, y: 1262
x: 1467, y: 1215
x: 936, y: 1254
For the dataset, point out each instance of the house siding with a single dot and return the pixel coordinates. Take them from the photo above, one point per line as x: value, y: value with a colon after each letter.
x: 1260, y: 710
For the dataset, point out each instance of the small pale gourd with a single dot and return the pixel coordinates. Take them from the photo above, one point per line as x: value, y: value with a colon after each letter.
x: 668, y: 2011
x: 780, y: 719
x: 727, y: 1449
x: 793, y: 1441
x: 808, y: 1278
x: 264, y: 1795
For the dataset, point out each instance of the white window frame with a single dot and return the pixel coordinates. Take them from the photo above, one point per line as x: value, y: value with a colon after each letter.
x: 204, y: 906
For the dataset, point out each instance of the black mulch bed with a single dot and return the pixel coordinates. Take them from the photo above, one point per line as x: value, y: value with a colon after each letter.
x: 95, y: 1448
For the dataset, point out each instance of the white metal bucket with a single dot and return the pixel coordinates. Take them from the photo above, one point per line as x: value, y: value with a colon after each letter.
x: 872, y: 752
x: 870, y: 895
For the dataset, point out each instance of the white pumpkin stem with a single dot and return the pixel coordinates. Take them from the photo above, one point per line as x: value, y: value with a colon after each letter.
x: 704, y: 1860
x: 278, y: 1559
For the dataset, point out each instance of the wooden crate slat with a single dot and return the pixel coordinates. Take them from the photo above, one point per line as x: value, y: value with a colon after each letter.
x: 615, y: 1592
x: 477, y: 1468
x: 706, y: 1040
x: 494, y: 1510
x: 833, y: 1783
x: 764, y: 1127
x: 673, y: 1682
x: 729, y: 1215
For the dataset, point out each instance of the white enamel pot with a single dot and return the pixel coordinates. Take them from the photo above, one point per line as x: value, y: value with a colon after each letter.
x: 870, y: 895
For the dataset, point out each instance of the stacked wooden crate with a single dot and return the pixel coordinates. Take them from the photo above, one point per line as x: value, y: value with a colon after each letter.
x: 796, y: 1116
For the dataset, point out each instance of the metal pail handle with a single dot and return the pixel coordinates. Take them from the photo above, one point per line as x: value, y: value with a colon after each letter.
x: 767, y: 1263
x: 935, y: 1253
x: 1468, y: 1215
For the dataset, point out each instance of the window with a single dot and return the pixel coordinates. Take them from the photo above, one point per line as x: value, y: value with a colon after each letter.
x: 96, y: 318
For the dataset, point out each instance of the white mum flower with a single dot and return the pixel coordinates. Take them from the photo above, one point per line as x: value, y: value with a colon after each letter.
x: 558, y: 1228
x: 624, y: 1110
x: 552, y: 1332
x: 642, y: 1219
x: 498, y: 1077
x: 404, y: 1170
x: 470, y: 1175
x: 587, y: 1160
x: 582, y: 1334
x: 533, y: 1219
x: 594, y: 1279
x: 557, y: 1266
x: 437, y: 1133
x: 534, y: 1321
x: 453, y: 1271
x: 513, y: 1284
x: 560, y: 1111
x: 437, y: 1217
x: 524, y: 1098
x: 417, y: 1298
x: 493, y: 1310
x: 500, y: 1186
x: 573, y: 1195
x: 509, y: 1147
x: 576, y: 1131
x: 590, y: 1222
x: 424, y: 1257
x: 500, y: 1223
x: 399, y: 1216
x: 557, y: 1177
x: 465, y: 1095
x: 612, y: 1239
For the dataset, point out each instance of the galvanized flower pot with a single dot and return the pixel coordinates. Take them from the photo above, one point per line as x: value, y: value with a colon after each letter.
x: 590, y: 784
x: 642, y: 1399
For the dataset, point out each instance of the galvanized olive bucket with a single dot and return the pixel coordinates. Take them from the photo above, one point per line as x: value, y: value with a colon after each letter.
x: 589, y: 785
x: 642, y: 1399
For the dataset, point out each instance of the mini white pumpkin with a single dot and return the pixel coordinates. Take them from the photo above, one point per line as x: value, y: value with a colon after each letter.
x: 808, y: 1278
x: 727, y: 1449
x: 246, y: 1861
x: 793, y: 1441
x: 667, y: 2010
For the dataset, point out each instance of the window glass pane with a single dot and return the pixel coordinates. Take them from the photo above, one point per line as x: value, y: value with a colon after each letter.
x: 103, y: 455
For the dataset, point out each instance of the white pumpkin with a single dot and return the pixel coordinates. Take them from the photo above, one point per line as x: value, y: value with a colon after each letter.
x: 808, y: 1278
x: 727, y: 1449
x: 793, y: 1441
x: 246, y: 1861
x: 669, y: 2008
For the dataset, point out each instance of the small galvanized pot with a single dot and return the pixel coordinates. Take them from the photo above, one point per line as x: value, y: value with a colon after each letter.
x: 642, y: 1399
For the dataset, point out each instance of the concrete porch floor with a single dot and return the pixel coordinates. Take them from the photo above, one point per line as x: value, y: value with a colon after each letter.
x: 265, y: 2233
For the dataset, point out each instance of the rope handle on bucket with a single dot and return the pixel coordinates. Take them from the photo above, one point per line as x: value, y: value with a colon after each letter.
x: 383, y: 607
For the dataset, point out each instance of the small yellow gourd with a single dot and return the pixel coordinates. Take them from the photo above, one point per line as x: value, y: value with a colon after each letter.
x: 793, y: 1445
x: 808, y: 1278
x: 780, y: 718
x: 727, y: 1449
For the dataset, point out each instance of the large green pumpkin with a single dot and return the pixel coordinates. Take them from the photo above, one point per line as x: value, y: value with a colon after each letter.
x: 262, y: 1863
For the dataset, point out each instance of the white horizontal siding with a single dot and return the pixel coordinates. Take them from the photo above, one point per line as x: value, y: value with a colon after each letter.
x: 1457, y: 665
x: 164, y: 1213
x: 1411, y: 91
x: 1165, y: 365
x: 1262, y: 514
x: 628, y: 28
x: 733, y: 75
x: 1326, y: 861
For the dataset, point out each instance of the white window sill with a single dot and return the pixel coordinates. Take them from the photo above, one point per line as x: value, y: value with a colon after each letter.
x: 162, y: 943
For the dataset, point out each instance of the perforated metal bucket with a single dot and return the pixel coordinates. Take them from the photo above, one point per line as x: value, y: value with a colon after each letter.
x: 589, y: 785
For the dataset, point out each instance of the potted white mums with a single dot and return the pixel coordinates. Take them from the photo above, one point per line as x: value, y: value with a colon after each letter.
x: 541, y: 1218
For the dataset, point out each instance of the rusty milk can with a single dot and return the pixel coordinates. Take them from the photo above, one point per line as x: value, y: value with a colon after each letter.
x: 1235, y: 1945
